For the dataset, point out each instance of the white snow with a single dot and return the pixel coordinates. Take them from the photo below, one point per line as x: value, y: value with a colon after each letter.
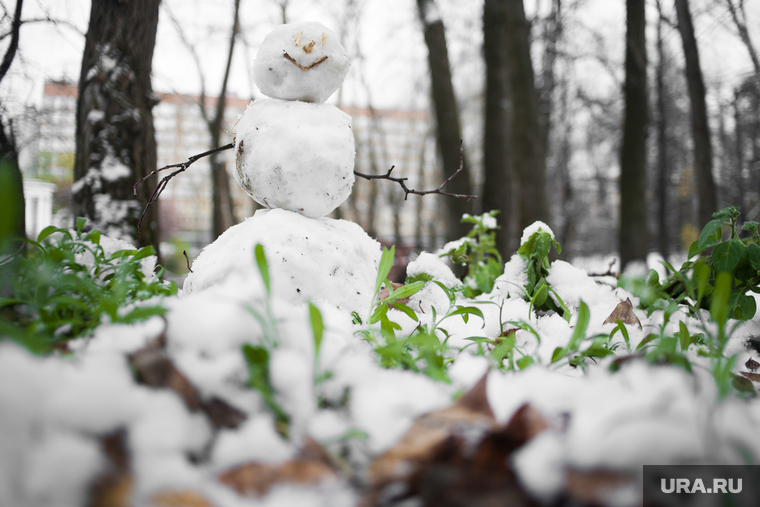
x: 295, y: 155
x: 534, y: 228
x: 306, y: 43
x: 318, y: 259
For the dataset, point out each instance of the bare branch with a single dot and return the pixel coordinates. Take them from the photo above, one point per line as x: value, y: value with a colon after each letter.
x: 187, y: 258
x: 407, y: 191
x: 181, y: 167
x: 13, y: 47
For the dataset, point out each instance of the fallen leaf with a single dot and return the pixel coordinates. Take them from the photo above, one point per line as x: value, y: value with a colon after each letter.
x: 754, y: 377
x: 311, y: 466
x: 153, y: 367
x: 624, y: 312
x: 751, y: 364
x: 179, y: 498
x: 470, y: 414
x: 595, y: 486
x: 113, y: 486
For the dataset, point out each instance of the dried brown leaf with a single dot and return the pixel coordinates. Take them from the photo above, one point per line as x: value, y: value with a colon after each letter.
x: 179, y: 498
x: 471, y: 414
x: 113, y: 486
x: 754, y: 377
x: 596, y: 486
x: 623, y: 312
x: 312, y: 466
x: 751, y: 364
x: 384, y: 293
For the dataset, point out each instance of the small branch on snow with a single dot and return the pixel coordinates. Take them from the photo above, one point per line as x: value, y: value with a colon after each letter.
x: 609, y: 271
x: 407, y: 191
x: 182, y: 166
x: 310, y: 66
x: 187, y: 258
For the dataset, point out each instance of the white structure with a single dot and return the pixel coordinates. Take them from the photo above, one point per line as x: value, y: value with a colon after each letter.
x: 38, y: 197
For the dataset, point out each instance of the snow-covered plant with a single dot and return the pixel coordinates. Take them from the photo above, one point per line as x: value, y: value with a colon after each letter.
x: 477, y: 252
x: 694, y: 284
x: 534, y: 249
x: 66, y: 284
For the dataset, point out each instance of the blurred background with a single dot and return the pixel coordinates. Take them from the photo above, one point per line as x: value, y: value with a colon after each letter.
x: 621, y: 123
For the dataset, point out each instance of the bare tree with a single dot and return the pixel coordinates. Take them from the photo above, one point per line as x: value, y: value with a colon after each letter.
x: 497, y: 159
x: 633, y: 208
x: 115, y: 139
x: 528, y: 152
x: 663, y: 170
x: 739, y: 16
x: 707, y: 196
x: 223, y: 213
x: 446, y: 113
x: 12, y: 225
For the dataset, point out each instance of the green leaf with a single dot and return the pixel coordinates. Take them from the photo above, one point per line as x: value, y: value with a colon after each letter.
x: 753, y: 252
x: 726, y: 255
x: 386, y: 263
x: 408, y: 311
x: 580, y: 327
x: 719, y: 311
x: 452, y: 297
x: 261, y: 262
x: 466, y: 311
x: 701, y: 276
x: 684, y: 337
x: 744, y: 307
x: 710, y: 236
x: 144, y: 252
x: 524, y: 362
x: 624, y: 332
x: 257, y: 359
x: 80, y: 224
x: 647, y: 339
x: 406, y: 291
x: 317, y: 327
x: 558, y: 354
x: 727, y: 214
x: 47, y: 231
x: 540, y: 297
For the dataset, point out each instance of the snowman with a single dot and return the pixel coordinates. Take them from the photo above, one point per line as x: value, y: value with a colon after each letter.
x: 295, y: 157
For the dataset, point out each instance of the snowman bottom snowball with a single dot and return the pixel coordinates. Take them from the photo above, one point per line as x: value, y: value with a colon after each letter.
x: 295, y: 155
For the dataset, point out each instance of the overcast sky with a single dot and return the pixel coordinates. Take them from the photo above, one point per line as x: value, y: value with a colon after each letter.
x: 388, y: 62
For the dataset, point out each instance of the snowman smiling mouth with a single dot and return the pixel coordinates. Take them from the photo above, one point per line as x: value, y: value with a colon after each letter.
x: 303, y: 68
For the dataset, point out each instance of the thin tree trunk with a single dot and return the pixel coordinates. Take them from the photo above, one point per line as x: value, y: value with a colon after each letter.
x: 552, y: 35
x: 223, y: 205
x: 700, y: 129
x: 663, y: 171
x: 739, y: 17
x: 739, y: 155
x: 497, y: 158
x: 447, y: 117
x: 115, y: 139
x: 529, y: 160
x: 633, y: 209
x: 13, y: 222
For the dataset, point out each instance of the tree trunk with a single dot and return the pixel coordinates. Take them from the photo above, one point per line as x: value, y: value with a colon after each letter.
x: 223, y: 206
x: 12, y: 206
x: 552, y: 35
x: 115, y: 140
x: 447, y: 117
x: 633, y: 206
x: 497, y: 158
x: 739, y: 156
x: 663, y: 171
x: 706, y: 192
x: 528, y: 154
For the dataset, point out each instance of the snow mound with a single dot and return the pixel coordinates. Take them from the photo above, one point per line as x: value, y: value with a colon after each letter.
x: 328, y: 260
x: 296, y: 156
x: 306, y: 43
x: 534, y: 228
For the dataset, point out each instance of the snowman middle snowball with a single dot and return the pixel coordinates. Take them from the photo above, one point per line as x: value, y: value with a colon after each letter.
x: 295, y: 155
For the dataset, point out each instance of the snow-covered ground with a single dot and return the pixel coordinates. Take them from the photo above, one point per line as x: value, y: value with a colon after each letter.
x: 78, y: 426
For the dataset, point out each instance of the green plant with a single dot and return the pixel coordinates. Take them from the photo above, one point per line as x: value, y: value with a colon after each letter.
x: 65, y: 285
x: 535, y: 251
x: 477, y: 251
x: 694, y: 285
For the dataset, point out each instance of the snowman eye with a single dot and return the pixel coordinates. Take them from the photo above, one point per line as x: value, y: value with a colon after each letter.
x: 298, y: 39
x: 309, y: 46
x: 324, y: 38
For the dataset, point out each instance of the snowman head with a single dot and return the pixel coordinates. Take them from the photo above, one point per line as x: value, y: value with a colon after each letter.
x: 300, y: 61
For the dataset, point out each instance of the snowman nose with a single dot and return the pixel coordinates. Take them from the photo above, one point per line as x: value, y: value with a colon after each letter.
x: 309, y: 46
